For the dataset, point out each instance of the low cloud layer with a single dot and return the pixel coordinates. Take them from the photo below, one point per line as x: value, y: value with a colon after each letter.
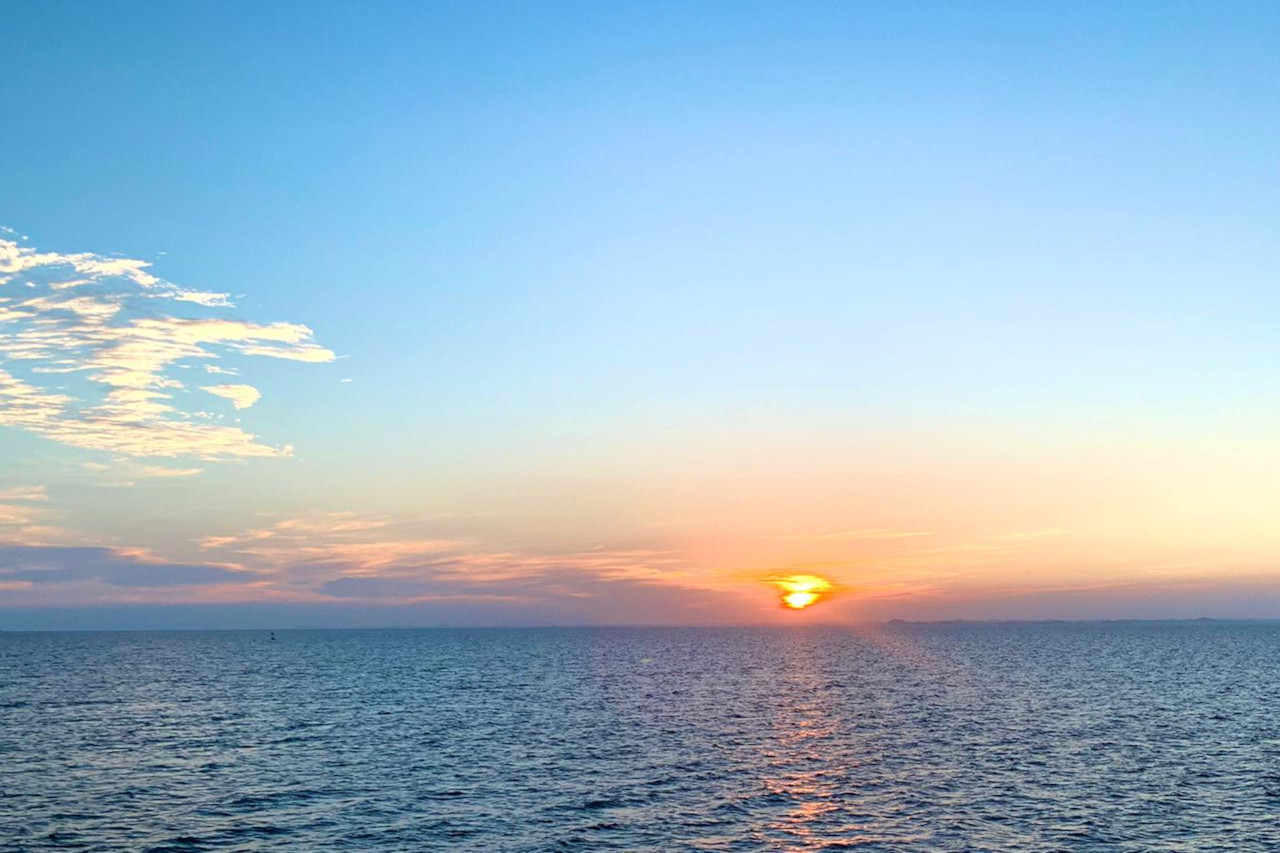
x: 349, y: 556
x: 342, y: 560
x: 344, y: 568
x: 28, y: 566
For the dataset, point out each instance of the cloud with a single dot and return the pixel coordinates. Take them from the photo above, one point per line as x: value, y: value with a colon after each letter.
x: 327, y: 560
x: 349, y: 556
x: 124, y: 471
x: 112, y: 566
x: 23, y: 518
x: 1030, y: 534
x: 241, y: 396
x: 406, y: 588
x: 332, y: 539
x: 24, y: 493
x: 91, y: 346
x: 871, y: 533
x: 566, y: 588
x: 148, y: 472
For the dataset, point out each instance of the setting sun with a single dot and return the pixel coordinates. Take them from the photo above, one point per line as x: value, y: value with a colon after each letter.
x: 800, y: 591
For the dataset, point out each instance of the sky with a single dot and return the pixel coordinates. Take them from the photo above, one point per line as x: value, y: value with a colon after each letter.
x: 400, y: 314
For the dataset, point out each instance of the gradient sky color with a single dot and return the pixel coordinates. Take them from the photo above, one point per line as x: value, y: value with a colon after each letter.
x: 597, y: 313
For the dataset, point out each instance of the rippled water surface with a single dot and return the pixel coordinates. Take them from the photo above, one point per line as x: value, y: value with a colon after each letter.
x: 1026, y: 737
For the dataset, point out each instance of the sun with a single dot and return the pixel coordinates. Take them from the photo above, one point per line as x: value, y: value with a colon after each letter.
x: 799, y: 600
x: 801, y: 591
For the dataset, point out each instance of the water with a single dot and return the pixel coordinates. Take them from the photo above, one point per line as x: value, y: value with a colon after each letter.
x: 1027, y: 737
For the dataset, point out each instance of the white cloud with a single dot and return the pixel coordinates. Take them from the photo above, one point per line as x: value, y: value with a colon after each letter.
x: 241, y: 396
x: 91, y: 348
x: 153, y: 471
x: 124, y: 471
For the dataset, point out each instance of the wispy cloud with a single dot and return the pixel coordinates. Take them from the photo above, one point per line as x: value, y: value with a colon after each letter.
x: 151, y: 472
x: 91, y: 347
x: 24, y: 518
x: 869, y: 533
x: 1030, y: 534
x: 123, y: 471
x: 241, y: 396
x: 352, y: 556
x: 24, y: 493
x: 114, y: 567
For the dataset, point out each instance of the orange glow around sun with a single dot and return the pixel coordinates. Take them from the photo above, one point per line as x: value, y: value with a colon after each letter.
x: 800, y: 591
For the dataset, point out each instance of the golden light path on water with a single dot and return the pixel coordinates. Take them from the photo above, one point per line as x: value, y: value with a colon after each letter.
x: 801, y: 591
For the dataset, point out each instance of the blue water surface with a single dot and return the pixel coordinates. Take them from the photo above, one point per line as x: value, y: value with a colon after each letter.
x: 1028, y: 737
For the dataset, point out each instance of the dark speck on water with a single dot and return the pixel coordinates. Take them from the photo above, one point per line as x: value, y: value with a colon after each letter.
x: 1026, y: 737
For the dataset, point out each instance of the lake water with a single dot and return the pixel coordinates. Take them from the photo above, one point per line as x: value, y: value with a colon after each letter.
x: 1125, y: 736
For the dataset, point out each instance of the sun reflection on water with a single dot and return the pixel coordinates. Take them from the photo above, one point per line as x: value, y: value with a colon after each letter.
x: 807, y: 736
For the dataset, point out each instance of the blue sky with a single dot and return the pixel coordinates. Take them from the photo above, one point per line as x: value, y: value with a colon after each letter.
x: 581, y: 261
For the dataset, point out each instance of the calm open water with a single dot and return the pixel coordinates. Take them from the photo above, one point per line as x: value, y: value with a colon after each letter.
x: 981, y: 737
